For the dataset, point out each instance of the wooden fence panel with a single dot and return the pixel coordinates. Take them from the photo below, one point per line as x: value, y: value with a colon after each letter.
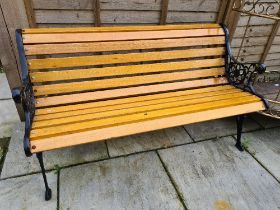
x: 13, y: 16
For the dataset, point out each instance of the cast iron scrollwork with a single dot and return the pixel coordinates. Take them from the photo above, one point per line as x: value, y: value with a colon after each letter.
x: 242, y: 75
x: 260, y: 8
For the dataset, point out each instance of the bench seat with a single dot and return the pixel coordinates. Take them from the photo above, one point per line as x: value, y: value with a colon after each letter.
x: 82, y: 85
x: 70, y: 125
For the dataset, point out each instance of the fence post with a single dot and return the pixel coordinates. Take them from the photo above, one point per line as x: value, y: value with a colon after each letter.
x: 12, y: 16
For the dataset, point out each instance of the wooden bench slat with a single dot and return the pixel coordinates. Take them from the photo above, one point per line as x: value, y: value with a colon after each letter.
x: 117, y: 28
x: 124, y: 82
x: 44, y: 49
x: 56, y: 142
x: 131, y: 104
x: 119, y: 120
x: 123, y: 70
x: 48, y: 63
x: 126, y: 92
x: 71, y: 110
x: 117, y: 36
x: 139, y: 107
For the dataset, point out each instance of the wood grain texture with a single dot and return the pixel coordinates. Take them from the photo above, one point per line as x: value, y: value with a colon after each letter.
x: 118, y: 28
x: 58, y: 109
x: 137, y: 117
x: 116, y: 104
x: 139, y: 107
x: 123, y: 82
x: 30, y: 13
x: 124, y: 70
x: 125, y: 92
x: 83, y: 61
x: 179, y: 17
x: 141, y: 127
x: 8, y: 51
x: 164, y: 11
x: 40, y: 49
x: 96, y: 10
x: 109, y: 36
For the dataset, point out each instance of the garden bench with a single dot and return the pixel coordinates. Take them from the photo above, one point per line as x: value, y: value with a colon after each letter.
x: 83, y: 85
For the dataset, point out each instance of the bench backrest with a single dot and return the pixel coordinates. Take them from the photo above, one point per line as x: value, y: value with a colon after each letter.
x: 73, y: 65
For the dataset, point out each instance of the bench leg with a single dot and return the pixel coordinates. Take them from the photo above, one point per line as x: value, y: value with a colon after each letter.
x: 48, y: 193
x: 239, y: 122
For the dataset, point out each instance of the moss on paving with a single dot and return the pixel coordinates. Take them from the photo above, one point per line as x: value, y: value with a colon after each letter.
x: 4, y: 143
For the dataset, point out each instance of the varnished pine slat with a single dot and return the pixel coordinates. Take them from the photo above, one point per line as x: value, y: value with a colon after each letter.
x: 137, y: 108
x: 69, y: 110
x: 48, y: 63
x: 124, y: 70
x: 117, y: 28
x: 41, y: 49
x: 63, y: 88
x: 149, y: 115
x: 126, y: 92
x: 117, y: 36
x: 141, y: 127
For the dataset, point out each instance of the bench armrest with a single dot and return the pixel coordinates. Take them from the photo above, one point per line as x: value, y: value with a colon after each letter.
x: 25, y: 95
x: 242, y: 75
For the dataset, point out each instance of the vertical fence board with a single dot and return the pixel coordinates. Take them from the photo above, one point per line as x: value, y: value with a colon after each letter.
x: 96, y: 8
x: 272, y: 36
x: 13, y: 16
x: 164, y: 11
x: 222, y: 10
x: 30, y: 13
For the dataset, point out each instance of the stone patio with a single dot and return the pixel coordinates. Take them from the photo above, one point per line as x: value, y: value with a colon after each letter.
x: 190, y: 167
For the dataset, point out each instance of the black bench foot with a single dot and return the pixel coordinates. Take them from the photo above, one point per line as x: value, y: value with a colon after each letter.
x: 239, y: 147
x: 48, y: 193
x: 239, y: 122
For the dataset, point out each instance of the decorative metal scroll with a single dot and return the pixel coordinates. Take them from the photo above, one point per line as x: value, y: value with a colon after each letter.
x: 259, y: 8
x: 263, y: 9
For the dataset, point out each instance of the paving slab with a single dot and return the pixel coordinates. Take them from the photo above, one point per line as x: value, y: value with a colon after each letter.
x: 131, y: 182
x: 218, y: 128
x: 16, y: 163
x: 5, y: 91
x: 8, y: 117
x: 215, y: 175
x: 266, y: 122
x: 148, y: 141
x: 265, y: 146
x: 27, y: 192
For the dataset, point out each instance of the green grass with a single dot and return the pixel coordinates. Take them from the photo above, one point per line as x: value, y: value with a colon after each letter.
x: 57, y: 168
x: 246, y: 143
x: 1, y: 69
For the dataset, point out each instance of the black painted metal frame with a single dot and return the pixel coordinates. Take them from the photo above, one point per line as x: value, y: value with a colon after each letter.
x: 240, y: 75
x: 25, y: 96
